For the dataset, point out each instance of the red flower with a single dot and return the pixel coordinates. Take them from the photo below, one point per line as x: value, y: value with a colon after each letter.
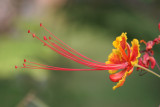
x: 117, y: 60
x: 119, y: 56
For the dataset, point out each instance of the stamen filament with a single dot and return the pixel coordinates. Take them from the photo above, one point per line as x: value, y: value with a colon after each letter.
x: 136, y: 65
x: 39, y: 64
x: 67, y: 46
x: 70, y: 54
x: 89, y: 64
x: 62, y: 69
x: 70, y: 49
x: 57, y: 68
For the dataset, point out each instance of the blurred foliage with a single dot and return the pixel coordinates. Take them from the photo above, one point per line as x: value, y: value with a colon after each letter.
x: 90, y: 29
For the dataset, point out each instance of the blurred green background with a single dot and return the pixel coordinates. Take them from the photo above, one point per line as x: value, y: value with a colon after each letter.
x: 88, y: 26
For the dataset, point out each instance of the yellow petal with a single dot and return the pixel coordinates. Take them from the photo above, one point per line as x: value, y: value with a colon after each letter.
x: 120, y: 41
x: 135, y: 54
x: 117, y: 42
x: 121, y: 82
x: 115, y: 57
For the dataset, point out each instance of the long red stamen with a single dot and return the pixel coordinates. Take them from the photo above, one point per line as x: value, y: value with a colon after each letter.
x: 66, y: 55
x: 61, y: 48
x: 87, y: 63
x: 41, y: 66
x: 73, y: 51
x: 57, y: 68
x: 67, y: 46
x: 70, y: 54
x: 38, y: 64
x: 61, y: 53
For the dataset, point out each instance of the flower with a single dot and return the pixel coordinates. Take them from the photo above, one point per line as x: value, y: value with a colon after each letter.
x: 117, y: 60
x: 119, y: 56
x: 147, y: 60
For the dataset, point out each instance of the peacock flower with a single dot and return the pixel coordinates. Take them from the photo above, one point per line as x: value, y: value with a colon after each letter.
x: 123, y: 53
x: 123, y: 57
x: 147, y: 60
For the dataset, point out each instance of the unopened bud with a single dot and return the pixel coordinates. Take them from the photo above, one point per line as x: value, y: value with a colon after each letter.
x: 44, y: 37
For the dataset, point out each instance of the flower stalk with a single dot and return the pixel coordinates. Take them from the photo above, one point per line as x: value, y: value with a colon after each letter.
x: 148, y: 70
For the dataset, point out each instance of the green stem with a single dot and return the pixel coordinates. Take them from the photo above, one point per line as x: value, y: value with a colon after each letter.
x: 136, y: 65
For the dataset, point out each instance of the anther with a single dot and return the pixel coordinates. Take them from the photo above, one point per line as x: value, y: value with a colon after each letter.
x: 25, y: 60
x: 44, y: 37
x: 33, y: 35
x: 50, y: 38
x: 29, y: 31
x: 24, y: 65
x: 16, y: 67
x: 40, y: 24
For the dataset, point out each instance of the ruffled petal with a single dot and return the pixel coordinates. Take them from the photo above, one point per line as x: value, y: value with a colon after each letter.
x: 115, y: 57
x: 135, y: 54
x: 116, y: 43
x: 121, y: 45
x: 121, y: 82
x: 153, y: 62
x: 130, y: 71
x: 120, y: 41
x: 117, y: 76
